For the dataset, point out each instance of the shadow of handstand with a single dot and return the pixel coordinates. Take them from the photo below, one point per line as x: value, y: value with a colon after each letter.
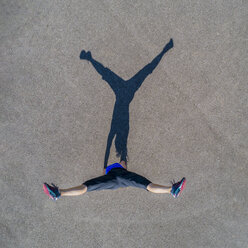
x: 124, y: 91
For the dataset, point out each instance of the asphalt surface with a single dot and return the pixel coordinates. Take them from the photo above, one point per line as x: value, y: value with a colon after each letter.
x: 189, y: 118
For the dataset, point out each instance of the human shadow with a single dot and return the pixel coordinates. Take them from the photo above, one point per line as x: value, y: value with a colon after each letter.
x: 124, y: 91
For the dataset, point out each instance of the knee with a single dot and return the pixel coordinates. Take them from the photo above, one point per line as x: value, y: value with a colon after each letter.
x: 84, y: 188
x: 150, y: 187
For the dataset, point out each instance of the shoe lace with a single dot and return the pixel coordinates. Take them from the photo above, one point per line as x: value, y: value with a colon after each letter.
x: 56, y: 187
x: 57, y: 192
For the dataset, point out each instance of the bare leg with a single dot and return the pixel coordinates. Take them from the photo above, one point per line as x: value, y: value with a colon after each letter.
x: 156, y: 188
x: 79, y: 190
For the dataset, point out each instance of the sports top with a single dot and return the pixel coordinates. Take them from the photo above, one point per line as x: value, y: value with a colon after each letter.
x: 112, y: 166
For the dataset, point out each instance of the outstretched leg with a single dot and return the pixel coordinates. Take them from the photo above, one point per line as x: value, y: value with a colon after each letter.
x: 75, y: 191
x: 156, y: 188
x: 174, y: 190
x: 110, y: 77
x: 55, y: 193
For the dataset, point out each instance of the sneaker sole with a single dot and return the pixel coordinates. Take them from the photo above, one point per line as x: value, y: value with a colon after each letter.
x: 46, y: 191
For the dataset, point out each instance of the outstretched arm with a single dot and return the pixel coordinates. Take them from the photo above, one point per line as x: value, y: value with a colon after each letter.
x: 109, y: 143
x: 139, y: 78
x: 110, y: 77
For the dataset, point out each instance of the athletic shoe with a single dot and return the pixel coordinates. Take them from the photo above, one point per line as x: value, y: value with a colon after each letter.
x: 51, y: 191
x: 178, y: 187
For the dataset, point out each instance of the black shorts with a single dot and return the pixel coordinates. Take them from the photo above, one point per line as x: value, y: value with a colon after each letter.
x: 117, y: 178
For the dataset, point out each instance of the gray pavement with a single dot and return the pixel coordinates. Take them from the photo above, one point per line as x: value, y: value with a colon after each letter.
x: 189, y: 118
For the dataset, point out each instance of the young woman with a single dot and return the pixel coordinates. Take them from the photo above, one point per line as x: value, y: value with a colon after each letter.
x: 115, y: 176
